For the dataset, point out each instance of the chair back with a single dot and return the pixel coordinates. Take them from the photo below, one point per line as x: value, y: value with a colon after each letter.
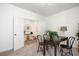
x: 71, y: 41
x: 45, y: 37
x: 39, y: 37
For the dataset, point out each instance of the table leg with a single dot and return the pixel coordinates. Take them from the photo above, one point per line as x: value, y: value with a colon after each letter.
x: 44, y: 49
x: 55, y: 50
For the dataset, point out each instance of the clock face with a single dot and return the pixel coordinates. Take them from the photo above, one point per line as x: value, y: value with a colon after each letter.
x: 27, y: 27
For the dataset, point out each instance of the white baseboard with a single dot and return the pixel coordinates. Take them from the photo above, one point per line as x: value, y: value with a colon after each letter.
x: 4, y: 50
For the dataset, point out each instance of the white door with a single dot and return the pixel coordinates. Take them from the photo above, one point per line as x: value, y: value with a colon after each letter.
x: 18, y: 33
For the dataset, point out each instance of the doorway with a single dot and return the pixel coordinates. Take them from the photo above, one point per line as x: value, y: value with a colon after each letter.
x: 30, y: 31
x: 25, y: 30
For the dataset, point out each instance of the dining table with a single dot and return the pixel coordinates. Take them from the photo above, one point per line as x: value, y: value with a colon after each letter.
x: 54, y: 44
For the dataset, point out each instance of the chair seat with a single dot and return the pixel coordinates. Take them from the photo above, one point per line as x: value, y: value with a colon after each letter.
x: 65, y: 46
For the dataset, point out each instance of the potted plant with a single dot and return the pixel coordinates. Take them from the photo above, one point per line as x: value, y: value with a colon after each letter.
x: 53, y: 34
x: 77, y: 34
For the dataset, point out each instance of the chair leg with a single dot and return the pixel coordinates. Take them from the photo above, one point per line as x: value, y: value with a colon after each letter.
x: 71, y: 53
x: 49, y: 50
x: 38, y: 49
x: 66, y: 53
x: 47, y: 47
x: 61, y: 50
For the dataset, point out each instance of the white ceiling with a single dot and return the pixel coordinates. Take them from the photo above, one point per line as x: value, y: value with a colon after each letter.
x: 46, y: 9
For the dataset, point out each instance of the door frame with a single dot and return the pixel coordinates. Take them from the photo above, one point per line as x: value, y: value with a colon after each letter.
x: 23, y: 27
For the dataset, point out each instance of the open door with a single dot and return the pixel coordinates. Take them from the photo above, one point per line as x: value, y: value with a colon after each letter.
x: 18, y: 33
